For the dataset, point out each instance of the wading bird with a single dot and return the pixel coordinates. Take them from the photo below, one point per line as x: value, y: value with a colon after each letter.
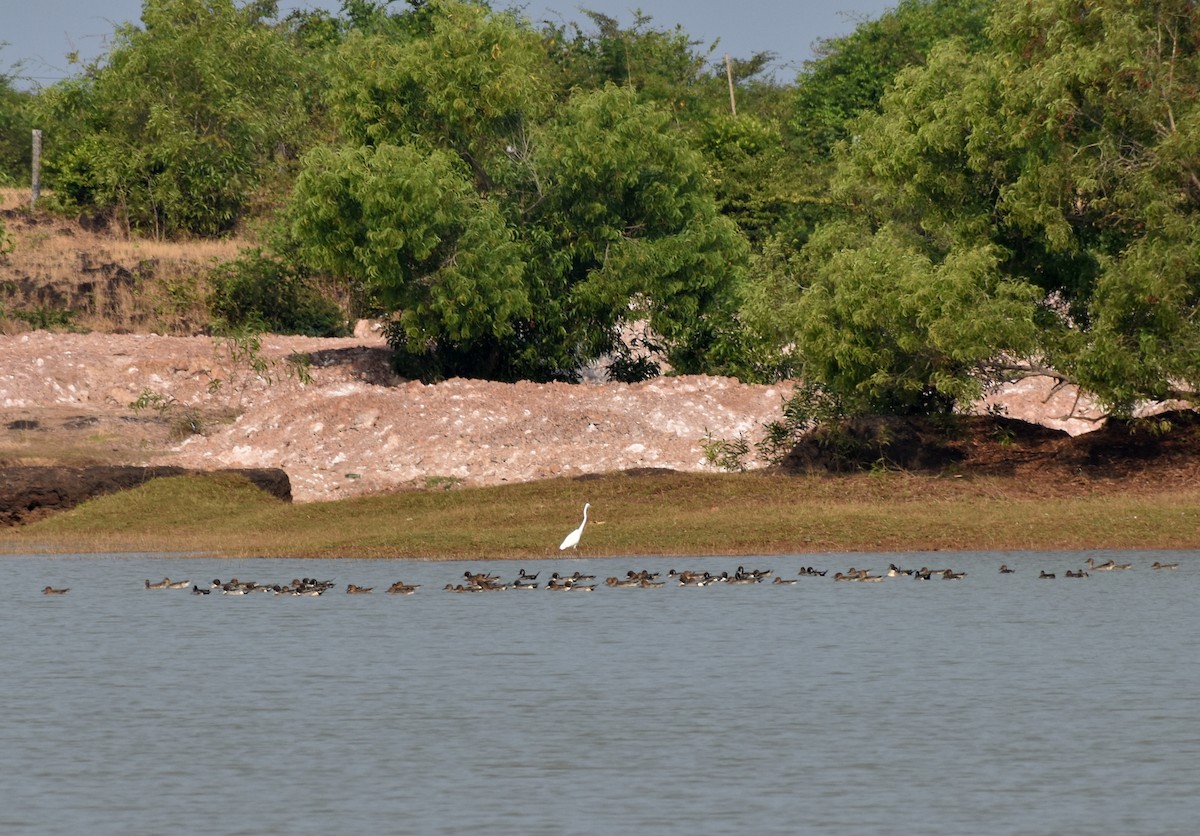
x: 572, y: 539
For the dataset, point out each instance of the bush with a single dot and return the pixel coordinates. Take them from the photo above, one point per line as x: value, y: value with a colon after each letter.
x: 272, y: 295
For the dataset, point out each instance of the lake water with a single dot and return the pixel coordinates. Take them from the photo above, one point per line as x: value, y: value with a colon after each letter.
x: 996, y: 704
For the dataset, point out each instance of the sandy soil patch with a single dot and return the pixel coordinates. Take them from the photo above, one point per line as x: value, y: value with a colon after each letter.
x: 354, y: 428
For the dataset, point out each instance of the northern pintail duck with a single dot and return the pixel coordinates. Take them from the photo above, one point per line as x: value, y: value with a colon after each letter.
x: 1079, y: 574
x: 646, y: 583
x: 779, y: 580
x: 163, y: 584
x: 895, y: 571
x: 565, y: 584
x: 951, y: 575
x: 572, y: 578
x: 626, y: 582
x: 525, y: 576
x: 1157, y: 565
x: 524, y: 583
x: 1102, y: 567
x: 860, y: 575
x: 1004, y: 570
x: 352, y: 589
x: 198, y: 591
x: 49, y: 590
x: 1045, y: 574
x: 178, y: 584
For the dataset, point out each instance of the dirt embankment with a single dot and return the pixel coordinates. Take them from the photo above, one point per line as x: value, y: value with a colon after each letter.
x: 350, y: 427
x: 341, y: 424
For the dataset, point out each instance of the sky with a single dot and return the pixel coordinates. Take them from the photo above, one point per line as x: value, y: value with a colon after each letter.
x: 40, y: 34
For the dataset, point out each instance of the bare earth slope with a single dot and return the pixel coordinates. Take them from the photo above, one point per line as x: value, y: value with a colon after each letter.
x: 350, y: 427
x: 354, y: 428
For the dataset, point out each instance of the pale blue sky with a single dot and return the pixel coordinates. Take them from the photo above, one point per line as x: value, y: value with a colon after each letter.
x: 39, y: 34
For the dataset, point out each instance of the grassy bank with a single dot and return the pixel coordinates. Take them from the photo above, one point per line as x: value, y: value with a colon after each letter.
x: 649, y: 514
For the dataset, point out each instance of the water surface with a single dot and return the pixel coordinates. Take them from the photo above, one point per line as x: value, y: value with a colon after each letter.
x: 995, y: 704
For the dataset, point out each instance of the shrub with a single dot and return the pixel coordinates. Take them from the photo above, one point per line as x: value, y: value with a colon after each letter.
x: 268, y: 293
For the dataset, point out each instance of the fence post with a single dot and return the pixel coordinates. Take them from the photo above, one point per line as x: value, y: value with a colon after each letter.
x: 35, y: 175
x: 729, y: 78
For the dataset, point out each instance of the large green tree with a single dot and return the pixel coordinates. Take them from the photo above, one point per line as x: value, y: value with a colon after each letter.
x: 850, y: 74
x: 1033, y: 204
x: 512, y: 231
x: 175, y: 129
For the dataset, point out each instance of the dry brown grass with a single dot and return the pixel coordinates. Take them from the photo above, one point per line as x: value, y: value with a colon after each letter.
x: 96, y: 279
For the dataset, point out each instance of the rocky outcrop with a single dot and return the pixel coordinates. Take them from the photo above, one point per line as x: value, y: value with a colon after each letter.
x: 31, y: 493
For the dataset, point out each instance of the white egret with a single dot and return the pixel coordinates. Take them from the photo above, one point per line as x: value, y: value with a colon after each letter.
x: 572, y: 539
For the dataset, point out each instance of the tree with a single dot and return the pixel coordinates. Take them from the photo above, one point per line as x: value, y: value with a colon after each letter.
x: 511, y: 238
x: 14, y: 132
x: 1034, y: 205
x: 410, y: 227
x: 850, y: 74
x: 173, y: 131
x: 664, y: 66
x: 623, y: 228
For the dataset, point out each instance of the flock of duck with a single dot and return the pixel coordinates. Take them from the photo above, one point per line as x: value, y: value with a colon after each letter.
x: 580, y: 582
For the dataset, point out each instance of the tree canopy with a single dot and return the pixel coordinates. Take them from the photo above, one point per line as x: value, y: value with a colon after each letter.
x: 513, y: 236
x: 1031, y: 204
x: 176, y: 129
x: 957, y: 192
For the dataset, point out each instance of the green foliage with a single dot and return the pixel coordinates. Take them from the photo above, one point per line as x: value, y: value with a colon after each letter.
x: 632, y: 360
x: 457, y: 78
x: 15, y: 133
x: 809, y: 406
x: 625, y: 230
x: 184, y: 421
x: 662, y: 65
x: 512, y: 238
x: 173, y: 133
x: 47, y: 319
x: 266, y: 292
x: 410, y: 226
x: 850, y: 74
x: 1031, y: 204
x: 242, y: 347
x: 725, y: 454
